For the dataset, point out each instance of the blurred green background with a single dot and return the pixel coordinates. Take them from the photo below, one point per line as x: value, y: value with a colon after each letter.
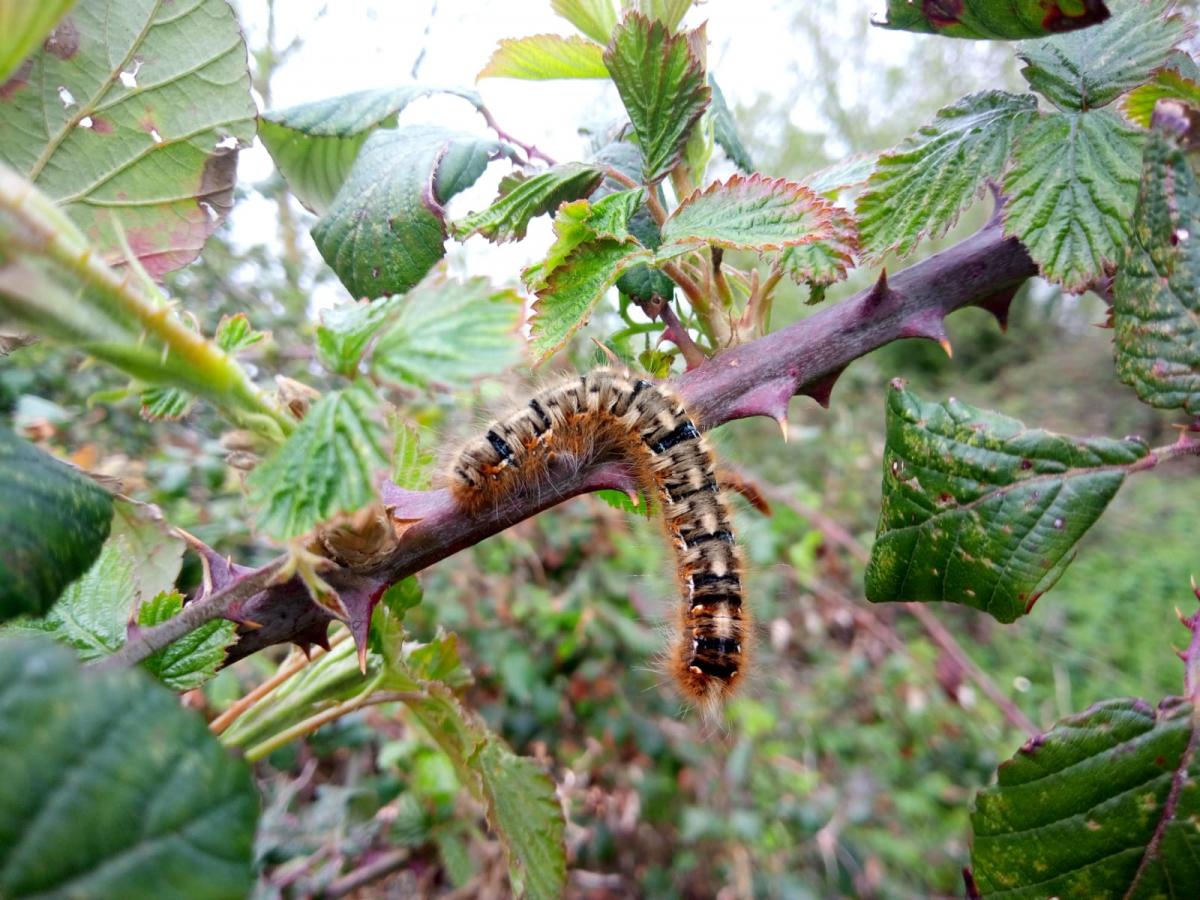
x: 848, y: 765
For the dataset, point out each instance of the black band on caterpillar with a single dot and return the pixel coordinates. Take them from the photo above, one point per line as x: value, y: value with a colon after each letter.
x: 609, y: 414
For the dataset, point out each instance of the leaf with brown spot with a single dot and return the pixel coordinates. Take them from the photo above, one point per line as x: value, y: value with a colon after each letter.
x: 989, y: 20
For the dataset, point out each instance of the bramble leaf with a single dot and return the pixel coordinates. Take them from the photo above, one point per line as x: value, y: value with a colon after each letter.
x: 166, y: 403
x: 23, y: 25
x: 980, y: 510
x: 235, y: 334
x: 573, y: 289
x: 112, y: 789
x: 920, y: 188
x: 1156, y: 295
x: 1089, y: 69
x: 347, y: 329
x: 326, y: 466
x: 725, y: 130
x: 988, y: 20
x: 825, y: 261
x: 662, y: 86
x: 187, y: 663
x: 1168, y: 84
x: 386, y: 228
x: 412, y: 460
x: 54, y: 521
x: 449, y: 332
x: 1071, y: 192
x: 746, y: 213
x: 669, y: 12
x: 315, y: 144
x: 508, y: 217
x: 851, y: 172
x: 545, y: 56
x: 130, y: 116
x: 595, y: 18
x: 1103, y: 805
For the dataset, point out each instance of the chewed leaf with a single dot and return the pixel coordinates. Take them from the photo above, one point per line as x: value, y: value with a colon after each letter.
x: 988, y: 20
x: 662, y: 86
x: 326, y: 466
x: 315, y: 144
x: 574, y: 288
x: 130, y: 116
x: 1103, y: 805
x: 509, y: 216
x: 54, y: 521
x: 386, y: 229
x: 920, y: 188
x: 1071, y: 192
x: 1168, y: 84
x: 747, y: 213
x: 545, y: 56
x: 1090, y: 69
x: 1156, y: 296
x: 980, y: 510
x: 113, y: 788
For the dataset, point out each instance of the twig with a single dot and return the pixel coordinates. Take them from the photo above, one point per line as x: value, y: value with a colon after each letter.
x: 312, y: 723
x: 149, y: 641
x: 531, y: 151
x: 382, y: 865
x: 678, y: 335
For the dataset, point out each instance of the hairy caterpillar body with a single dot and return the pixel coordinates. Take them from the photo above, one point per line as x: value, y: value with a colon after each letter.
x: 610, y: 414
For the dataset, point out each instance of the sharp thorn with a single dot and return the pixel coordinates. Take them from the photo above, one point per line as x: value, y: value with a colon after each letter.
x: 945, y: 345
x: 362, y: 657
x: 1183, y: 620
x: 783, y: 427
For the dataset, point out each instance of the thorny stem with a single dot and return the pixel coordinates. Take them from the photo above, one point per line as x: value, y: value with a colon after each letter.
x: 531, y: 151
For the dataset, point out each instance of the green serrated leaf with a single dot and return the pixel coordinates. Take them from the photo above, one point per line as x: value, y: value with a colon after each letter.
x: 725, y: 130
x: 574, y: 288
x: 412, y: 459
x: 23, y: 25
x: 746, y: 213
x: 1168, y: 84
x: 1089, y: 69
x: 449, y: 332
x: 165, y: 403
x: 315, y: 144
x: 522, y: 806
x: 385, y: 228
x: 1103, y: 805
x: 508, y: 217
x: 989, y: 20
x: 112, y: 789
x: 850, y: 172
x: 346, y: 330
x: 825, y: 261
x: 920, y: 188
x: 1071, y: 192
x: 54, y: 521
x: 326, y: 466
x: 235, y: 333
x: 979, y: 510
x: 545, y: 56
x: 150, y: 541
x: 669, y: 12
x: 662, y: 85
x: 187, y: 663
x: 130, y: 117
x: 595, y: 18
x: 1156, y: 295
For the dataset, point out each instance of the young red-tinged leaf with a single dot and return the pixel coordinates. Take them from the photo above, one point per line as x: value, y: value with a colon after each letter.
x: 449, y: 332
x: 1156, y: 295
x: 988, y: 20
x: 1070, y: 194
x: 825, y: 261
x: 980, y: 510
x: 327, y: 466
x: 747, y: 213
x: 95, y: 118
x: 54, y: 521
x: 545, y: 56
x: 662, y: 85
x: 574, y: 288
x: 581, y: 221
x: 114, y: 789
x: 509, y: 216
x: 595, y: 18
x: 920, y: 188
x: 1168, y: 84
x: 1089, y: 69
x: 386, y: 228
x: 1105, y: 804
x: 315, y: 144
